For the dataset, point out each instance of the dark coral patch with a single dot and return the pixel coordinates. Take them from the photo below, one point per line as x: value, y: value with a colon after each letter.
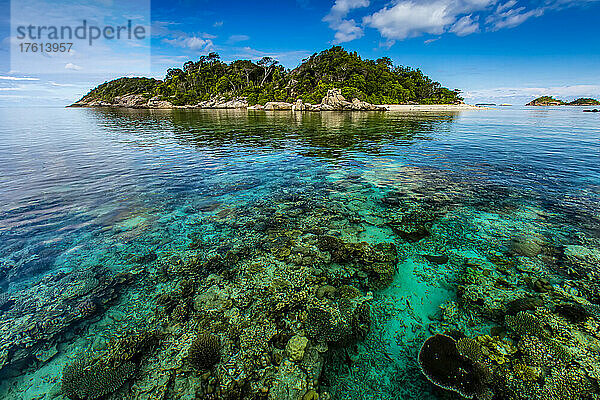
x: 444, y: 366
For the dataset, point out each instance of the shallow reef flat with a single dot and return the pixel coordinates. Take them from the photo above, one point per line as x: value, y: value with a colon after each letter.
x: 340, y: 277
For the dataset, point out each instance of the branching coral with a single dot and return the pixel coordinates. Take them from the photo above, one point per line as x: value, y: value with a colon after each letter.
x: 526, y: 323
x: 88, y: 379
x: 94, y: 377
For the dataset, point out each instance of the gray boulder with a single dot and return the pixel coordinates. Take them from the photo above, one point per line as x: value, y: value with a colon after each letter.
x: 278, y: 105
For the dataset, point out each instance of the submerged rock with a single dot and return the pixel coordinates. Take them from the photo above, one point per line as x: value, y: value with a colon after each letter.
x: 436, y: 259
x: 41, y: 315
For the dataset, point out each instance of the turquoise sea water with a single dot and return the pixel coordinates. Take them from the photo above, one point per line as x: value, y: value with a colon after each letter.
x: 117, y: 223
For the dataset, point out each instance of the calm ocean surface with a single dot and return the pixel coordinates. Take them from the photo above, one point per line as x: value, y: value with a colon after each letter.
x: 111, y: 222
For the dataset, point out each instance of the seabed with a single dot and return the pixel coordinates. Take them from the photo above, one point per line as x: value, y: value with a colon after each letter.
x: 312, y: 283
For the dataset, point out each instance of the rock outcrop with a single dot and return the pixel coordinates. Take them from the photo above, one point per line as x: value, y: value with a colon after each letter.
x: 155, y: 102
x: 277, y: 105
x: 333, y: 101
x: 240, y: 102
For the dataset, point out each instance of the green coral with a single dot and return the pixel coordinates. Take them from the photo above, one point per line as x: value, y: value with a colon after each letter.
x: 566, y: 384
x: 379, y: 261
x: 94, y: 376
x: 88, y: 379
x: 344, y: 321
x: 348, y: 292
x: 256, y: 340
x: 527, y: 324
x: 527, y: 372
x: 470, y: 348
x: 496, y: 349
x: 543, y: 352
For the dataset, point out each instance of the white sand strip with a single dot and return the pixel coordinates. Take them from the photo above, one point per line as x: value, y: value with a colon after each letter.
x: 432, y: 107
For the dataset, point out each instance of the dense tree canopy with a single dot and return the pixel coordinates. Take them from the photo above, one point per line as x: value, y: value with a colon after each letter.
x: 376, y: 81
x: 585, y: 101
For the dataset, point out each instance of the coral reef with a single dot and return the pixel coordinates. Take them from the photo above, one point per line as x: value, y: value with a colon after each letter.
x: 87, y: 380
x: 36, y: 317
x: 93, y: 376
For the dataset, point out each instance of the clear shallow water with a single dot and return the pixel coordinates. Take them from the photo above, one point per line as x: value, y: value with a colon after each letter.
x: 138, y: 192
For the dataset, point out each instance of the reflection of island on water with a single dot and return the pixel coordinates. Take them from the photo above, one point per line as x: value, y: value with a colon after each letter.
x: 311, y: 134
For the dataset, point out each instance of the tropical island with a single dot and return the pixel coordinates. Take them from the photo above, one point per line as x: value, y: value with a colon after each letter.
x: 321, y: 82
x: 551, y: 101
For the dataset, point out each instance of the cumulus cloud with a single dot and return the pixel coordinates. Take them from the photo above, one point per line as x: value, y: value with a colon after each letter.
x: 166, y: 30
x: 403, y: 19
x: 346, y: 29
x: 408, y: 18
x: 506, y: 6
x: 193, y: 43
x: 73, y: 67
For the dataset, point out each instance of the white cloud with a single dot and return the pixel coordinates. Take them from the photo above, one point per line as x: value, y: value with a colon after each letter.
x: 17, y: 78
x: 193, y: 43
x: 73, y: 67
x: 467, y: 25
x: 341, y: 8
x: 408, y: 18
x: 238, y: 38
x: 61, y: 84
x: 513, y: 17
x: 506, y: 6
x: 346, y: 29
x: 403, y: 19
x: 218, y: 24
x: 41, y: 91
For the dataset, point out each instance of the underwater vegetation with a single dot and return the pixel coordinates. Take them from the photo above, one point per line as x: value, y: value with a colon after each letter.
x: 360, y: 280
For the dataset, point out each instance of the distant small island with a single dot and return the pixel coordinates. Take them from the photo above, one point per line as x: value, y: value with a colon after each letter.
x: 551, y: 101
x: 333, y: 79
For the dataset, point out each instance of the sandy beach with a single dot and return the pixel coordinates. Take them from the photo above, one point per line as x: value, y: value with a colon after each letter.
x: 431, y: 107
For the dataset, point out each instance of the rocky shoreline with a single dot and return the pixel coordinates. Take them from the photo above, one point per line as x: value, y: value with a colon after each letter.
x: 333, y: 101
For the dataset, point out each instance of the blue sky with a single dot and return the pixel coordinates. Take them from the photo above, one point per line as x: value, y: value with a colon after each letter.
x: 494, y: 50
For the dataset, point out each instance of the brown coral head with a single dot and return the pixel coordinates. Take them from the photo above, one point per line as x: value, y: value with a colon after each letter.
x: 205, y: 351
x: 445, y: 367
